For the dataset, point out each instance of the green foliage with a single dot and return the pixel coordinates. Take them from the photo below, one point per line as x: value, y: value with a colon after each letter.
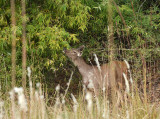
x: 56, y: 24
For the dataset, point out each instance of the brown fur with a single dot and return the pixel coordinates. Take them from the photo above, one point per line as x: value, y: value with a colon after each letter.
x: 110, y: 76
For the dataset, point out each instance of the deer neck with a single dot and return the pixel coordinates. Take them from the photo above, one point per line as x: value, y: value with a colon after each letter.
x: 83, y: 67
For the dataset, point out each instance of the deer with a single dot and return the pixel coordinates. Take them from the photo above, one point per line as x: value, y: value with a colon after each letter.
x: 110, y: 75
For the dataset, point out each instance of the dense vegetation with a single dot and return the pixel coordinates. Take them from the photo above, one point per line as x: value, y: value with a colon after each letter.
x: 127, y: 29
x: 56, y: 24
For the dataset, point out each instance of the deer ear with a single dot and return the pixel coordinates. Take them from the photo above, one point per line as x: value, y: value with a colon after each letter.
x: 81, y: 48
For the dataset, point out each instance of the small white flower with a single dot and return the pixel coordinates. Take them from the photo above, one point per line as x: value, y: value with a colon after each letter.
x: 88, y: 97
x: 74, y: 99
x: 38, y: 85
x: 41, y: 97
x: 126, y: 83
x: 21, y: 98
x: 75, y: 106
x: 30, y: 84
x: 29, y: 72
x: 97, y: 62
x: 57, y: 103
x: 36, y: 95
x: 90, y: 85
x: 11, y: 93
x: 63, y: 101
x: 18, y: 90
x: 127, y: 64
x: 58, y: 88
x: 131, y: 80
x: 127, y: 114
x: 104, y: 88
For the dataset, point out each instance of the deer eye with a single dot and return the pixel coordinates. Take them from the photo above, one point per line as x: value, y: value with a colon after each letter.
x: 74, y: 52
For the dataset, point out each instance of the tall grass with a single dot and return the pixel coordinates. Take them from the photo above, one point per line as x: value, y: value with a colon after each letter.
x: 34, y: 105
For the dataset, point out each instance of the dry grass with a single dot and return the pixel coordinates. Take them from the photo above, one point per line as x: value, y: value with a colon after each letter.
x: 33, y: 105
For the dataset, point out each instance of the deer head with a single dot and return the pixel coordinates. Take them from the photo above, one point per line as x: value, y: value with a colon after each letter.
x: 73, y: 54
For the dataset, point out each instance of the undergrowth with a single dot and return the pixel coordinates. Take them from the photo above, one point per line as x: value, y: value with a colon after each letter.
x: 34, y: 104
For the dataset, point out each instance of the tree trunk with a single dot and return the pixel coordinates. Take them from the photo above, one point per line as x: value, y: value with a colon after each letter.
x: 144, y: 78
x: 23, y: 44
x: 110, y: 32
x: 13, y: 29
x: 111, y: 55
